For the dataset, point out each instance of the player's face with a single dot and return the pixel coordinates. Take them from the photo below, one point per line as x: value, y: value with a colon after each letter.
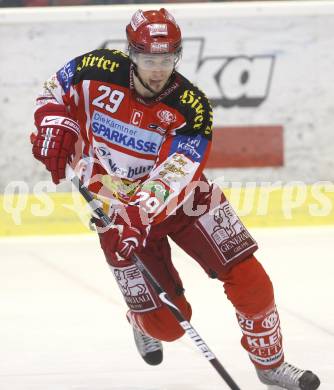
x: 155, y: 69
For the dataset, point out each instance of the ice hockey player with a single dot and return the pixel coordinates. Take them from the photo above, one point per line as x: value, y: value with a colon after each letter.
x: 143, y: 133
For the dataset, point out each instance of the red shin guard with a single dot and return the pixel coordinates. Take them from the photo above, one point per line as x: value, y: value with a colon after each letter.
x: 250, y: 290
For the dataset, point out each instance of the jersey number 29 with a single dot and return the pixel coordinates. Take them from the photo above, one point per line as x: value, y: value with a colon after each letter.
x: 115, y: 98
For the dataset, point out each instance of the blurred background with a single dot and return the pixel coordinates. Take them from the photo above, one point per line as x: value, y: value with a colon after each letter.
x: 265, y: 66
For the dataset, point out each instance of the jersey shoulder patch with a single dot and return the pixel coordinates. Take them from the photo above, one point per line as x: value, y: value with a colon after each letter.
x: 102, y: 65
x: 195, y: 107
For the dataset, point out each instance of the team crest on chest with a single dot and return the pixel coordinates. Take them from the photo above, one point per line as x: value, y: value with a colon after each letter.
x: 166, y: 116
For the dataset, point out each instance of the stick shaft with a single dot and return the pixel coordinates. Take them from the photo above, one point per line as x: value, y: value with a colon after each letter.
x: 188, y: 328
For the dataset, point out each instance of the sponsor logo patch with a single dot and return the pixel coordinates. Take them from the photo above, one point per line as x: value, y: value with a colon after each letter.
x: 137, y: 19
x: 174, y: 168
x: 158, y: 29
x: 227, y: 232
x: 51, y: 84
x: 121, y: 188
x: 92, y: 61
x: 190, y: 97
x: 127, y: 170
x: 157, y: 128
x: 125, y: 135
x: 134, y: 288
x: 270, y: 321
x: 158, y: 189
x: 190, y: 146
x: 267, y: 361
x: 159, y: 47
x: 65, y: 75
x: 266, y: 347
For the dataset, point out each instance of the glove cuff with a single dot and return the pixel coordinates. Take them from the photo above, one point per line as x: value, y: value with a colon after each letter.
x: 52, y: 115
x: 60, y: 122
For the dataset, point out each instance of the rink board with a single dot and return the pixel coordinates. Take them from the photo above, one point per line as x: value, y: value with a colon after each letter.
x: 59, y: 213
x: 272, y: 117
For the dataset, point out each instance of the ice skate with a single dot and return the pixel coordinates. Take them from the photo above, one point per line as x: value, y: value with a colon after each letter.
x: 150, y: 349
x: 288, y: 377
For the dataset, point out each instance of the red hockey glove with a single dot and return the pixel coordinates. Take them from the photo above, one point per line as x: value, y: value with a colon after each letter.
x: 120, y: 245
x: 55, y: 140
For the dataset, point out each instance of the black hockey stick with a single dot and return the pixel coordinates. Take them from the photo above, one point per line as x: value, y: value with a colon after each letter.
x: 188, y: 328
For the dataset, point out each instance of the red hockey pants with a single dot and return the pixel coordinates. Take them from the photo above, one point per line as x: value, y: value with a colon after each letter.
x: 219, y: 242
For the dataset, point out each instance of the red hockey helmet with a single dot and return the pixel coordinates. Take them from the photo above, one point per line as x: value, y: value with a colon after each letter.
x: 154, y: 32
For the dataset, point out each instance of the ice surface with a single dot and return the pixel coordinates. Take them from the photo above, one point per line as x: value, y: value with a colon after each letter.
x: 63, y: 326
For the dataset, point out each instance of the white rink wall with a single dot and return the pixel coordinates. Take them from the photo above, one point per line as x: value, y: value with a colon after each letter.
x: 267, y: 63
